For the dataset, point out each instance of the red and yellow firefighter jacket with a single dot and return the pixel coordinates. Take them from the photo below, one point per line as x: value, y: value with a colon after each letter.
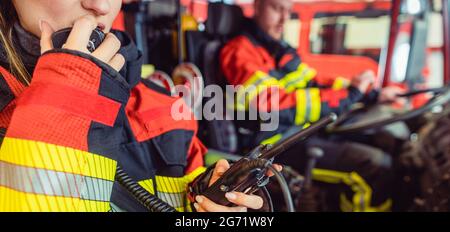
x: 65, y: 134
x: 259, y: 63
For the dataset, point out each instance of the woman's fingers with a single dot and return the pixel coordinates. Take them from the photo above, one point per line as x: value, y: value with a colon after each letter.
x: 203, y: 204
x: 79, y: 38
x: 277, y: 167
x: 117, y: 62
x: 248, y: 201
x: 108, y: 48
x: 46, y: 36
x: 81, y: 33
x: 221, y: 167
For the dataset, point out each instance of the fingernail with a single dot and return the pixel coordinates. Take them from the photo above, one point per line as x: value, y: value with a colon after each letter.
x: 220, y: 170
x: 44, y: 25
x: 231, y: 196
x: 199, y: 199
x: 196, y: 206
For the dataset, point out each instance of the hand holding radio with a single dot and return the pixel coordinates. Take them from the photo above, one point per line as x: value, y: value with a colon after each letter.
x: 249, y: 174
x: 84, y: 37
x: 241, y: 200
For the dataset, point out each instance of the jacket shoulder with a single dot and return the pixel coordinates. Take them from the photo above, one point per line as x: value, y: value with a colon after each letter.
x: 239, y: 42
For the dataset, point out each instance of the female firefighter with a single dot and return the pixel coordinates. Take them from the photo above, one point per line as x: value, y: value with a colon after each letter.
x: 68, y: 117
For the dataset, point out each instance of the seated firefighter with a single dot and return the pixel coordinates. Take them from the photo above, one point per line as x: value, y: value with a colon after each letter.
x: 66, y: 128
x: 258, y: 60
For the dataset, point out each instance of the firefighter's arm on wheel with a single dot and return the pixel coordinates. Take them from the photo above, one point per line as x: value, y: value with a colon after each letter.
x: 299, y: 103
x: 242, y: 201
x: 47, y: 158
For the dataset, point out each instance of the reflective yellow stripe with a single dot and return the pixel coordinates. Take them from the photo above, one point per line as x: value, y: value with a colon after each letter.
x: 52, y: 183
x: 56, y: 158
x: 194, y: 174
x: 341, y: 83
x: 363, y: 193
x: 308, y: 105
x: 300, y: 115
x: 147, y: 185
x: 172, y: 189
x: 254, y: 86
x: 43, y: 177
x: 298, y: 79
x: 316, y: 104
x: 28, y: 202
x: 272, y: 140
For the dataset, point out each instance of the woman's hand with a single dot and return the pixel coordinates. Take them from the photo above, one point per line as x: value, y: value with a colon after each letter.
x: 79, y: 38
x: 243, y: 201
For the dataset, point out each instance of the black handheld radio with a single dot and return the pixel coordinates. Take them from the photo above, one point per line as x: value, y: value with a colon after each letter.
x: 59, y: 38
x: 249, y: 173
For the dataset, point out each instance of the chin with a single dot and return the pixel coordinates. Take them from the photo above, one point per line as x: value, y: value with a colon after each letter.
x: 278, y: 36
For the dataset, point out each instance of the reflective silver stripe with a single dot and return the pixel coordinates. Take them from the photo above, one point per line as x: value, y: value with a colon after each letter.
x: 308, y: 106
x: 296, y: 80
x: 52, y: 183
x: 115, y: 208
x: 261, y: 80
x: 241, y: 96
x: 176, y: 200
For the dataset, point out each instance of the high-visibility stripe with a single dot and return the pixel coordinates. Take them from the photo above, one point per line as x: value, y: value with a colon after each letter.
x: 316, y: 104
x: 51, y: 183
x: 302, y: 105
x: 172, y: 189
x: 298, y: 79
x: 43, y: 177
x: 272, y: 140
x: 340, y: 83
x: 56, y: 158
x: 363, y: 193
x: 28, y: 202
x: 308, y: 106
x: 254, y: 86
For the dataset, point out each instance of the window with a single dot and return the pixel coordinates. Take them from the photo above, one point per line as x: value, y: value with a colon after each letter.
x: 350, y: 33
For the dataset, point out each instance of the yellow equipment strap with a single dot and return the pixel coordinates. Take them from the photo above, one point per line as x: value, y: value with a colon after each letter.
x: 363, y: 192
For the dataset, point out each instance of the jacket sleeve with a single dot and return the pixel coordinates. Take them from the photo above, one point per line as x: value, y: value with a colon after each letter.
x: 299, y: 101
x: 46, y: 163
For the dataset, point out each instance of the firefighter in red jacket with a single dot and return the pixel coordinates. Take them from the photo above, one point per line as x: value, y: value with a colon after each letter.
x: 258, y: 59
x: 65, y: 128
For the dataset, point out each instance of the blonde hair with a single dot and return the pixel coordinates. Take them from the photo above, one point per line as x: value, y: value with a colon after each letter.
x: 8, y: 17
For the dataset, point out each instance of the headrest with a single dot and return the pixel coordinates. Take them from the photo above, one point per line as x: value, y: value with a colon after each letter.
x: 224, y: 19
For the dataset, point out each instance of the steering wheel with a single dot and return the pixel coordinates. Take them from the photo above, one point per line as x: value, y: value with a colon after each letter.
x: 363, y: 118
